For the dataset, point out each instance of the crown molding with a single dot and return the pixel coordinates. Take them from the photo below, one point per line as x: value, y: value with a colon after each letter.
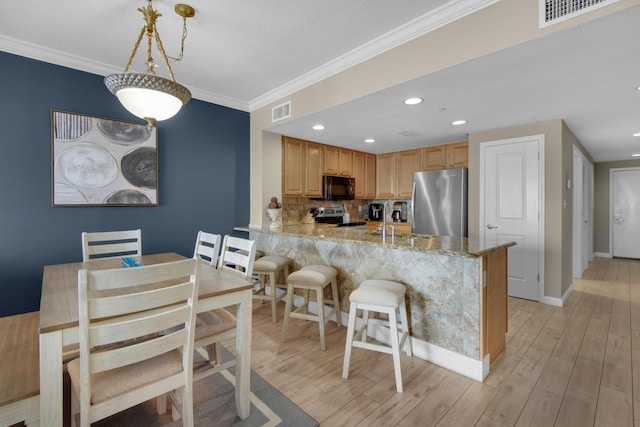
x: 64, y: 59
x: 424, y: 24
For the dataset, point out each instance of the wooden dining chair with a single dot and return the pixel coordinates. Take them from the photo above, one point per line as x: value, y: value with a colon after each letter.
x: 207, y: 247
x: 216, y: 326
x: 136, y: 339
x: 110, y: 244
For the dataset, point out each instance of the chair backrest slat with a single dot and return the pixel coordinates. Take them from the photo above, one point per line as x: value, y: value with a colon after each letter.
x: 207, y: 247
x: 109, y: 244
x: 237, y: 256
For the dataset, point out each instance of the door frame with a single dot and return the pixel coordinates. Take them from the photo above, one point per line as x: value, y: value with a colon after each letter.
x: 541, y: 200
x: 582, y: 240
x: 610, y: 213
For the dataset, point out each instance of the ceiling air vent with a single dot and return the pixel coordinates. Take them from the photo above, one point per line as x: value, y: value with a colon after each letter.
x: 281, y: 111
x: 553, y: 11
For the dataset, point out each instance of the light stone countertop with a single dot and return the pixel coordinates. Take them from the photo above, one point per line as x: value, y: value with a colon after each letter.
x: 445, y: 245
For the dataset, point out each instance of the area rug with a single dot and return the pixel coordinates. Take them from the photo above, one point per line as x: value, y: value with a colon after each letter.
x: 214, y: 405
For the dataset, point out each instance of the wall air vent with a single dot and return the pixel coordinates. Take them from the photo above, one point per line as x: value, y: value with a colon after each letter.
x: 554, y: 11
x: 281, y: 111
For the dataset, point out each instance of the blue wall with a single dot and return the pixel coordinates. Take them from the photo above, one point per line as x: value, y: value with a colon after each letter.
x: 203, y: 174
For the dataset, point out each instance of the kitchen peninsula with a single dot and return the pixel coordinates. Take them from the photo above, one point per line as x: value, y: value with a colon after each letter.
x: 456, y: 287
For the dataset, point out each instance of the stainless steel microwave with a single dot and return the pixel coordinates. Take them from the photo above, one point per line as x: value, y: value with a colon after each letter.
x: 337, y: 188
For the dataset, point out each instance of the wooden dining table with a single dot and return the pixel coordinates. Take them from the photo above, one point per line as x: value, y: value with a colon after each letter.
x: 59, y: 324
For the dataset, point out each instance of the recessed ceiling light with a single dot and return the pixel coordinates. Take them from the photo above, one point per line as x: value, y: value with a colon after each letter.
x: 413, y: 101
x: 635, y: 154
x: 636, y: 134
x: 369, y: 140
x: 318, y: 127
x: 458, y: 122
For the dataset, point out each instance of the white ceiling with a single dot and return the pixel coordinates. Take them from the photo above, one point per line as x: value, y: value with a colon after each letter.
x: 244, y: 54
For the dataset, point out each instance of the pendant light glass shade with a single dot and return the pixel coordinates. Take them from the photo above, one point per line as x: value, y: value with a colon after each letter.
x: 146, y: 96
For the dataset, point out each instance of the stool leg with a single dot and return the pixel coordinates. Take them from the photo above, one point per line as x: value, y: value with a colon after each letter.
x: 348, y: 346
x: 287, y: 310
x: 405, y: 331
x: 365, y: 323
x: 336, y: 301
x: 321, y: 321
x: 272, y: 282
x: 395, y: 348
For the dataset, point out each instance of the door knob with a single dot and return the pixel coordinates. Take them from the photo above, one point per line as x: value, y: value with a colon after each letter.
x: 491, y: 227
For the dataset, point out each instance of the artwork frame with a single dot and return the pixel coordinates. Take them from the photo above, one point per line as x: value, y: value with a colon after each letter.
x: 98, y: 161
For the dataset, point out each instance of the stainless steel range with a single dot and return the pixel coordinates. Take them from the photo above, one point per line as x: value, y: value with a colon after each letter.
x: 333, y: 215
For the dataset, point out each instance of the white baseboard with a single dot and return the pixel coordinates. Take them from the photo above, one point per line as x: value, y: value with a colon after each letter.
x: 602, y: 254
x: 463, y: 365
x: 558, y: 302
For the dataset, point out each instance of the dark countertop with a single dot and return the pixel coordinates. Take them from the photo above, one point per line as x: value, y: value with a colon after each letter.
x: 446, y: 245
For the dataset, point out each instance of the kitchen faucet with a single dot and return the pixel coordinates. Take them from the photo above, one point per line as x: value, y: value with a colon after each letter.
x: 384, y: 225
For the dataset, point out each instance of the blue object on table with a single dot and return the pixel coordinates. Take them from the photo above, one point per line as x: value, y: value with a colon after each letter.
x: 130, y: 262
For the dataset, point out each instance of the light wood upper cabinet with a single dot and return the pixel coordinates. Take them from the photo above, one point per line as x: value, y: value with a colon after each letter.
x: 346, y: 162
x: 331, y: 160
x: 364, y: 172
x: 338, y: 161
x: 370, y: 172
x: 301, y: 168
x: 458, y: 154
x: 386, y: 176
x: 434, y: 158
x: 407, y: 162
x: 445, y: 156
x: 293, y: 170
x: 313, y: 163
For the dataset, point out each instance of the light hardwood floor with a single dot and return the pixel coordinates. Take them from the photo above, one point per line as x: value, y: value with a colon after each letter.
x: 578, y: 365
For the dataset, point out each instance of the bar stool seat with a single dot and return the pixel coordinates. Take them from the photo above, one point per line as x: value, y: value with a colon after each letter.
x: 386, y: 297
x: 312, y: 278
x: 270, y: 266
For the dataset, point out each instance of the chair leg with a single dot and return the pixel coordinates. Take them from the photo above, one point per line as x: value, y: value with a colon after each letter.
x: 321, y: 321
x: 287, y: 310
x: 395, y: 348
x: 405, y: 331
x: 348, y: 345
x: 161, y: 404
x: 272, y: 282
x: 336, y: 301
x: 365, y: 323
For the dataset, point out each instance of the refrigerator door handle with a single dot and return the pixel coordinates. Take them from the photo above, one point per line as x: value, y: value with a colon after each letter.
x: 413, y: 204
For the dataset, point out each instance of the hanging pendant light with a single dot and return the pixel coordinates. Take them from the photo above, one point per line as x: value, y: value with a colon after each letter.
x: 149, y: 96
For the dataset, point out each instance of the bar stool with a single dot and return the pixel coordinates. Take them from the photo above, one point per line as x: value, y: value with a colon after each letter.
x: 382, y: 296
x: 312, y: 278
x: 269, y: 267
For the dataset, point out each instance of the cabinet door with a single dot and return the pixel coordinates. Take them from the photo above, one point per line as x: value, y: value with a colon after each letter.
x: 360, y: 174
x: 331, y: 160
x: 407, y: 162
x: 370, y: 176
x: 386, y: 167
x: 434, y: 158
x: 313, y: 169
x: 458, y: 154
x: 346, y: 162
x: 293, y: 174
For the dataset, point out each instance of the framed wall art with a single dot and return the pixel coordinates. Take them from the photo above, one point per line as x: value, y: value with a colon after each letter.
x: 98, y: 161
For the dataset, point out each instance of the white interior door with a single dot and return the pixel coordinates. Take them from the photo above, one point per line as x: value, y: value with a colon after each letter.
x: 625, y: 208
x: 511, y: 195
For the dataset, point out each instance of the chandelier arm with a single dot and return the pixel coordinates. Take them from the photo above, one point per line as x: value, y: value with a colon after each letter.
x: 135, y: 49
x: 164, y: 55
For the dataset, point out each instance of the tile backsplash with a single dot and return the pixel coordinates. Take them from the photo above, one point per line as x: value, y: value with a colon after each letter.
x: 296, y: 209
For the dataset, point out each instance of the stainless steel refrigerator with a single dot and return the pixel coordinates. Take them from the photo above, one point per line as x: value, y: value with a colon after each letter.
x: 439, y: 202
